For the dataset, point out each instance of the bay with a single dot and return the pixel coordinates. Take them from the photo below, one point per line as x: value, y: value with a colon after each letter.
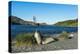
x: 43, y: 29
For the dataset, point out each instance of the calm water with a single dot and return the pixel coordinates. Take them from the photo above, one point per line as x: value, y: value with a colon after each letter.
x: 17, y: 29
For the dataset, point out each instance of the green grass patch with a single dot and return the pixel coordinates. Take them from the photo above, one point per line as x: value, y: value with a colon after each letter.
x: 25, y: 39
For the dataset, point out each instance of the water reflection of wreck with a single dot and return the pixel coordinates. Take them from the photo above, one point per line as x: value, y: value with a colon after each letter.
x: 38, y: 37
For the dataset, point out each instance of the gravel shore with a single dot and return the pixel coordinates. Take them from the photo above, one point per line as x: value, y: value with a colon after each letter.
x: 57, y: 45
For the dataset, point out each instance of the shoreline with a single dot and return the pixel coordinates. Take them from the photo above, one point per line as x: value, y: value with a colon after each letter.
x: 57, y: 45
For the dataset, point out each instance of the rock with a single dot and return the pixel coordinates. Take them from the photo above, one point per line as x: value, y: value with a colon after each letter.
x: 71, y: 36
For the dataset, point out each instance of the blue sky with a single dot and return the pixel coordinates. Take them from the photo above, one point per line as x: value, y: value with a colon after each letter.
x: 44, y: 12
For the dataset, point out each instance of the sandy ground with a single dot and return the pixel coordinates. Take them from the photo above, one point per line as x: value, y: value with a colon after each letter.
x: 58, y: 45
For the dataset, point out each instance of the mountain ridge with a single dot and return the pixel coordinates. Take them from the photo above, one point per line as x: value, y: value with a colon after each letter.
x: 70, y: 23
x: 19, y: 21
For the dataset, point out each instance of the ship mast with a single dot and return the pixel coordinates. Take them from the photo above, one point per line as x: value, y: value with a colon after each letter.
x: 36, y: 34
x: 34, y: 19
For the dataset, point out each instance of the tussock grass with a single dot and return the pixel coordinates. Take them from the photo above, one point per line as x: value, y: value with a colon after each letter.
x: 25, y: 39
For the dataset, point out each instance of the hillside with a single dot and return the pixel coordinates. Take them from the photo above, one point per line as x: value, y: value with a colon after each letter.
x: 68, y: 23
x: 19, y: 21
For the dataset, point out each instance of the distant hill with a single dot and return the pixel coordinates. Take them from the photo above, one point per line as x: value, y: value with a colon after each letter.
x: 68, y: 23
x: 19, y: 21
